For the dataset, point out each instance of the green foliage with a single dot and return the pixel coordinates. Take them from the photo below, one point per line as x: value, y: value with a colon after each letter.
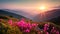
x: 2, y: 17
x: 7, y: 29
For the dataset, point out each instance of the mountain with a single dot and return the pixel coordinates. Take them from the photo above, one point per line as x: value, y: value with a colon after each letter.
x: 20, y: 12
x: 47, y: 15
x: 55, y: 20
x: 7, y: 13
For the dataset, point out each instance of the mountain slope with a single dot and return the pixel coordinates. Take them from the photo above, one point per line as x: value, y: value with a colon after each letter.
x: 6, y: 13
x: 55, y: 20
x: 47, y: 15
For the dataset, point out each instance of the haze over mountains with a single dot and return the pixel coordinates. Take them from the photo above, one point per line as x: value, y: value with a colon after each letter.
x: 47, y: 15
x: 24, y: 13
x: 37, y: 17
x: 6, y: 13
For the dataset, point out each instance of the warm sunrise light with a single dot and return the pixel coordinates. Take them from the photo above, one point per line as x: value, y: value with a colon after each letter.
x: 42, y: 8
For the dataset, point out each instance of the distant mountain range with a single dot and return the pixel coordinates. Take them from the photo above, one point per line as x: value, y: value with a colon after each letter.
x: 6, y: 13
x: 48, y: 15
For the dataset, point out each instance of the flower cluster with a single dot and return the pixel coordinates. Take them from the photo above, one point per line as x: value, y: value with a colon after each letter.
x: 27, y: 27
x: 23, y: 25
x: 50, y: 29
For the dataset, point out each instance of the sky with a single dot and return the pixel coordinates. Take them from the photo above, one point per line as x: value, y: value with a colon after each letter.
x: 31, y: 7
x: 28, y: 4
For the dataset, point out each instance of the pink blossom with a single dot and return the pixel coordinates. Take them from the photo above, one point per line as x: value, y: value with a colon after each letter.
x: 46, y: 27
x: 10, y: 22
x: 53, y: 29
x: 27, y: 30
x: 47, y: 33
x: 21, y: 23
x: 34, y: 25
x: 0, y: 20
x: 57, y: 32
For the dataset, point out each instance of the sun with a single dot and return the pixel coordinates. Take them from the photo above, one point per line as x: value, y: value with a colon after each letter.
x: 42, y: 8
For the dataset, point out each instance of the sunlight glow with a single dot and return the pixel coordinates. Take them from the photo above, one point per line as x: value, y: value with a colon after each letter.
x: 43, y: 8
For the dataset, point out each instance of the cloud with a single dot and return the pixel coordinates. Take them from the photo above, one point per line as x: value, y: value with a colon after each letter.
x: 57, y: 7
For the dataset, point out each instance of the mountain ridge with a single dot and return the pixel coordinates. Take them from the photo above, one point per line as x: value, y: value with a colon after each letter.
x: 6, y: 13
x: 47, y: 15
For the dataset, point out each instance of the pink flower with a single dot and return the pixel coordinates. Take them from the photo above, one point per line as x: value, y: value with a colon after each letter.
x: 47, y: 33
x: 25, y: 26
x: 57, y: 32
x: 34, y: 25
x: 21, y: 23
x: 10, y: 22
x: 27, y: 30
x: 0, y: 20
x: 46, y: 27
